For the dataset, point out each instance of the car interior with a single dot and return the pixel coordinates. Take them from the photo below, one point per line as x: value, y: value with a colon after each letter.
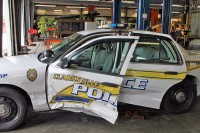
x: 105, y: 57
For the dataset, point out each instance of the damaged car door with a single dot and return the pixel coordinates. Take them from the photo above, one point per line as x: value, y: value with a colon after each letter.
x: 88, y: 79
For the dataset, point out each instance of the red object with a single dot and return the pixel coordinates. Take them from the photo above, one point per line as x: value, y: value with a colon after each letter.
x: 50, y: 40
x: 32, y: 31
x: 4, y: 26
x: 30, y: 41
x: 154, y: 16
x: 90, y: 8
x: 51, y: 29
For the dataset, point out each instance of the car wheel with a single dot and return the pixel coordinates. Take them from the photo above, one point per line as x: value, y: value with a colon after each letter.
x: 13, y: 108
x: 180, y: 98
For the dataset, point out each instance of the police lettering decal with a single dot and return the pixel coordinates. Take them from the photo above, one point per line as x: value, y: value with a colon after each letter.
x: 94, y: 93
x: 3, y: 75
x: 85, y: 91
x: 76, y: 79
x: 31, y: 75
x: 138, y: 84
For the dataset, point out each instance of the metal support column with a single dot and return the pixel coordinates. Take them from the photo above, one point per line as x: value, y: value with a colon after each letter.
x: 143, y: 14
x: 27, y: 19
x: 32, y: 14
x: 117, y: 4
x: 166, y: 16
x: 1, y: 27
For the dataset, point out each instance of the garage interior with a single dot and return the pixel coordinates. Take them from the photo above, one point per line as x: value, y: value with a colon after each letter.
x: 70, y: 17
x: 33, y: 26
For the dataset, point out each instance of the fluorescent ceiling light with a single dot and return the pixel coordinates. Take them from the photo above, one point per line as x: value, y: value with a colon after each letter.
x: 175, y: 12
x: 46, y: 5
x: 75, y: 11
x: 128, y: 1
x: 155, y: 4
x: 198, y: 6
x: 102, y: 8
x: 174, y: 5
x: 75, y: 7
x: 58, y: 10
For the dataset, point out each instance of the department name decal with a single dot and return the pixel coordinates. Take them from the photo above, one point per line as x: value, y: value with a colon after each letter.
x: 3, y: 75
x: 76, y: 79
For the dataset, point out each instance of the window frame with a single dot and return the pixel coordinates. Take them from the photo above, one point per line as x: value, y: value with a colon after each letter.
x: 179, y: 57
x: 131, y: 41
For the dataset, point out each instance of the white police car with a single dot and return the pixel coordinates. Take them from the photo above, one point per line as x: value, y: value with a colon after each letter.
x: 91, y: 71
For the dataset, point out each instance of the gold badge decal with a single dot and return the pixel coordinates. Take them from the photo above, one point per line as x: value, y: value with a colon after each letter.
x: 32, y: 74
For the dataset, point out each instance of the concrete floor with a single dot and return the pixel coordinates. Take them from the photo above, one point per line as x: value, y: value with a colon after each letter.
x: 67, y: 122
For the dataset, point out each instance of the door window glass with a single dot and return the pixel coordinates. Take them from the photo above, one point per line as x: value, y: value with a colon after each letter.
x: 167, y: 53
x: 147, y: 50
x: 104, y: 56
x: 155, y: 50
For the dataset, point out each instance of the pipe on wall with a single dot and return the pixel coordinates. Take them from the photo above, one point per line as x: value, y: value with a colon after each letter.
x: 1, y: 28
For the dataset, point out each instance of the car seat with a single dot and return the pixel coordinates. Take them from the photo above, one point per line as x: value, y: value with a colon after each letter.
x: 101, y: 56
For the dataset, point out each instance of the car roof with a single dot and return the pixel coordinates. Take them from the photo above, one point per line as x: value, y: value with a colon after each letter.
x: 136, y: 32
x: 87, y: 32
x: 149, y: 33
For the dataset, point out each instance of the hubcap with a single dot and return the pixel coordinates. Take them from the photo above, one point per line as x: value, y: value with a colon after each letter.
x: 5, y: 110
x: 8, y: 109
x: 180, y: 97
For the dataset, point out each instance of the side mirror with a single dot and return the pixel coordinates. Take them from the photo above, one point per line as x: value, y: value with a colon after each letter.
x: 63, y: 63
x: 48, y: 53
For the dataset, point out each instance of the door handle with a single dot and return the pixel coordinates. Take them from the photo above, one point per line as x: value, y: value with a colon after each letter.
x: 171, y: 73
x: 110, y: 84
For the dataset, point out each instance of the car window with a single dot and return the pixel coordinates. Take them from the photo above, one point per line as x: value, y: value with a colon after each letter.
x: 155, y: 50
x: 147, y: 50
x: 68, y: 42
x: 107, y: 56
x: 167, y: 52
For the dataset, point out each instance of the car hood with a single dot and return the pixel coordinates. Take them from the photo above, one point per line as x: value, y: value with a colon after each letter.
x: 193, y: 55
x: 193, y: 58
x: 193, y: 52
x: 21, y: 61
x: 190, y: 55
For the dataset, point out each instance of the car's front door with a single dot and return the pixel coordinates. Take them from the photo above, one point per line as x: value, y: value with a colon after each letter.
x: 91, y: 82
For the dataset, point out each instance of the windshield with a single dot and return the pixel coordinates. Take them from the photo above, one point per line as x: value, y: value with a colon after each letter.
x: 67, y: 43
x: 48, y: 55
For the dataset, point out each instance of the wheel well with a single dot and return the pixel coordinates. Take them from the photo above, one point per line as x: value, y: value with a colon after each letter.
x: 191, y: 78
x: 21, y: 91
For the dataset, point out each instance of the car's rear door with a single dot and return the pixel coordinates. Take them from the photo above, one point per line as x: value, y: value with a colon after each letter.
x: 91, y: 83
x: 156, y: 66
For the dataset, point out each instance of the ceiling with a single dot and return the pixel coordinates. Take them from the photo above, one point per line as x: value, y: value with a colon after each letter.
x: 177, y: 8
x: 103, y: 2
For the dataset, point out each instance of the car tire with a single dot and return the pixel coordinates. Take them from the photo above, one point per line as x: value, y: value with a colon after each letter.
x: 180, y: 98
x: 13, y: 108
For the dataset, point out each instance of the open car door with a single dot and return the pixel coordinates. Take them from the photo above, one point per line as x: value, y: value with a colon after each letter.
x: 88, y: 79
